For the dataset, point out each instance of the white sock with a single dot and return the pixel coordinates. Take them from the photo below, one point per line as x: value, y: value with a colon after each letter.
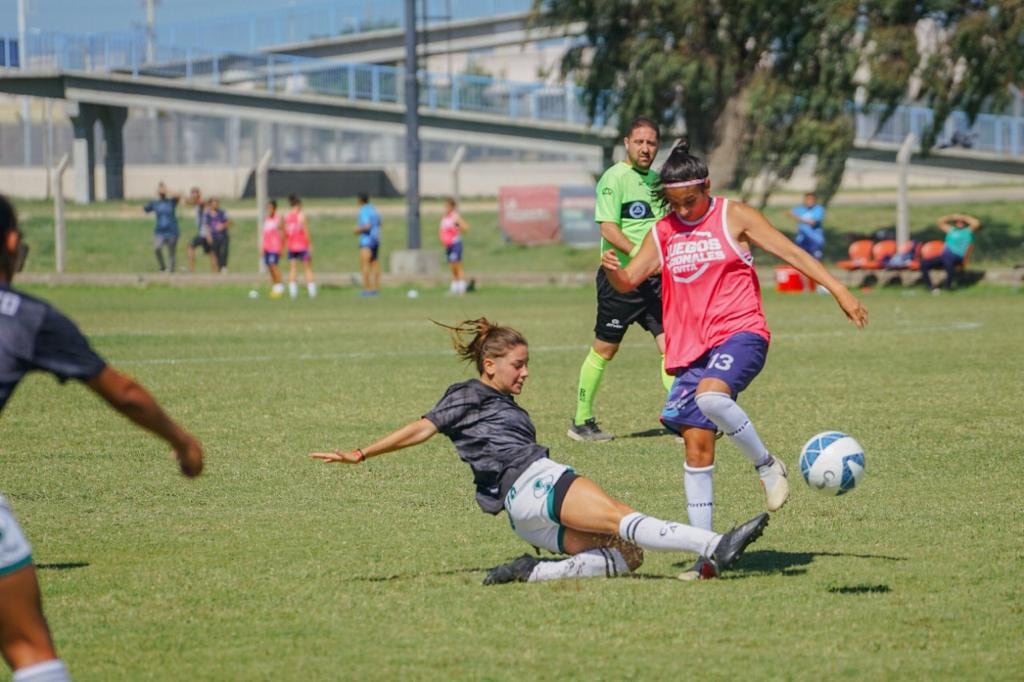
x: 293, y: 289
x: 734, y: 423
x: 700, y: 498
x: 453, y: 288
x: 666, y: 536
x: 279, y: 287
x: 47, y: 671
x: 594, y: 563
x: 311, y: 288
x: 460, y: 286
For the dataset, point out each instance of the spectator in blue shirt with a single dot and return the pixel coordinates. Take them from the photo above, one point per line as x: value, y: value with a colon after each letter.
x: 368, y: 229
x: 165, y: 208
x: 810, y: 233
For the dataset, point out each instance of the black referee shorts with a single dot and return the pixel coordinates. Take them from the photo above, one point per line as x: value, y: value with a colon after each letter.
x: 615, y: 311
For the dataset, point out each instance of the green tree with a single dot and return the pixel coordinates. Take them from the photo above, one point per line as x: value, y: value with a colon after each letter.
x: 760, y: 84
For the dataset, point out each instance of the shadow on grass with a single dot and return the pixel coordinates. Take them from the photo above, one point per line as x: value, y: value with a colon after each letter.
x: 753, y: 564
x: 860, y: 589
x: 770, y: 561
x: 649, y: 433
x: 65, y: 566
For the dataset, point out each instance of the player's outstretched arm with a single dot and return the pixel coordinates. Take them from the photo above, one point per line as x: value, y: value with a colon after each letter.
x: 748, y: 222
x: 644, y: 264
x: 411, y: 434
x: 129, y: 398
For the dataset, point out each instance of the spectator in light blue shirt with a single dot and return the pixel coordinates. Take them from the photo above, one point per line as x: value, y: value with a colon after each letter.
x: 165, y: 233
x: 810, y: 233
x: 368, y: 229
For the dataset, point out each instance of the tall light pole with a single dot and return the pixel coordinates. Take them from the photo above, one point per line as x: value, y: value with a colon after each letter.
x: 26, y: 112
x: 412, y: 131
x: 150, y: 31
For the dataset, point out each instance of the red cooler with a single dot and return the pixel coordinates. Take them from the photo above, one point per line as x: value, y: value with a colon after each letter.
x: 789, y: 279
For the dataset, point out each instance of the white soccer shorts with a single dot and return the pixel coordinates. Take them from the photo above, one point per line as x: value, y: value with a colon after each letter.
x: 530, y: 504
x: 15, y: 552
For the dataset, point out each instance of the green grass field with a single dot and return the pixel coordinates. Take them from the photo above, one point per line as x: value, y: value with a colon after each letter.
x: 272, y: 566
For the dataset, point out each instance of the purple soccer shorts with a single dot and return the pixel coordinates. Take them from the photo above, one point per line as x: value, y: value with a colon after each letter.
x: 736, y: 361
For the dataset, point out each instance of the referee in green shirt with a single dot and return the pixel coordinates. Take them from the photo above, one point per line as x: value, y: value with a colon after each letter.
x: 627, y: 209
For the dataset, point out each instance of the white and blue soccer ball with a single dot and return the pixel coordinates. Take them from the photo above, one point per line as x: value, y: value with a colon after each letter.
x: 832, y: 463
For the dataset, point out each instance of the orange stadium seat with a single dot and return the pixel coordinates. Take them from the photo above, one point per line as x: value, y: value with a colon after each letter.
x: 879, y: 252
x: 859, y: 254
x: 932, y: 249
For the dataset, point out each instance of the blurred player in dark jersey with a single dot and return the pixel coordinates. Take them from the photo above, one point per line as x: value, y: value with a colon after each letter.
x: 35, y: 336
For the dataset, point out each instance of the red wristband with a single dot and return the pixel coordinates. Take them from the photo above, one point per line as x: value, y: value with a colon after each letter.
x: 362, y: 455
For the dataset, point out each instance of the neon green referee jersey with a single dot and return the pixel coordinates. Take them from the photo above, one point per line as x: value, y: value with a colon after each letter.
x: 625, y: 196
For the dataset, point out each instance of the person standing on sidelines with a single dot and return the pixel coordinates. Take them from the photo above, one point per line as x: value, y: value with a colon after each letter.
x: 716, y: 335
x: 548, y: 505
x: 165, y: 232
x: 626, y: 209
x: 368, y: 229
x: 218, y: 225
x: 202, y: 240
x: 450, y: 232
x: 810, y: 226
x: 35, y: 336
x: 300, y: 247
x: 273, y: 240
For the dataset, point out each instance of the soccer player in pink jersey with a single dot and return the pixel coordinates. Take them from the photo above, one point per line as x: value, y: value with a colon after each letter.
x: 716, y: 336
x: 296, y: 232
x: 450, y: 232
x: 273, y: 241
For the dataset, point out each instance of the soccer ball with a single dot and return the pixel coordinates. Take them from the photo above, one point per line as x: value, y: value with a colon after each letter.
x: 832, y: 463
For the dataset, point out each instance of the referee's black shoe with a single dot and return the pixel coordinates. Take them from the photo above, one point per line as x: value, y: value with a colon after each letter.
x: 588, y: 432
x: 517, y: 571
x: 730, y: 547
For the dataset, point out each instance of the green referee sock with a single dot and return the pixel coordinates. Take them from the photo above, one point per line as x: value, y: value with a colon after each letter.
x: 666, y: 379
x: 590, y: 378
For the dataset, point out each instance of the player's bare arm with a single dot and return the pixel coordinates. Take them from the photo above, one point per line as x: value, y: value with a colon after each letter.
x: 411, y: 434
x: 748, y: 225
x: 644, y: 264
x: 614, y: 235
x: 129, y: 398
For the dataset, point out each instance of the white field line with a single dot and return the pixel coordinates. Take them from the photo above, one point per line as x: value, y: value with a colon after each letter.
x: 370, y: 355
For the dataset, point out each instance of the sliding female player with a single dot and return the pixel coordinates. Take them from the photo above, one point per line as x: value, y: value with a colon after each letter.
x: 716, y: 336
x: 35, y: 336
x: 550, y: 507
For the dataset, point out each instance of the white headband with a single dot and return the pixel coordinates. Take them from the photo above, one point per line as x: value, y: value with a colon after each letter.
x: 687, y: 183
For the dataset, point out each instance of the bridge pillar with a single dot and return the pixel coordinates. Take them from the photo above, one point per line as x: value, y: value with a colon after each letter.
x: 83, y: 149
x: 113, y: 119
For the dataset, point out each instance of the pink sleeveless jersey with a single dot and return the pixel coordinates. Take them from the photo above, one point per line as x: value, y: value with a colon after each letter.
x: 272, y: 234
x: 449, y: 231
x: 709, y: 288
x: 295, y: 231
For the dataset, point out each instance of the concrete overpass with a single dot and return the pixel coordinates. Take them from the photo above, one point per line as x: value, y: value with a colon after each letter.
x: 105, y: 98
x: 385, y: 46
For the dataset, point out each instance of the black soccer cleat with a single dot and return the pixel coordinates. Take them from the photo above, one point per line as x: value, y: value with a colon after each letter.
x: 517, y: 571
x: 730, y: 547
x: 588, y: 432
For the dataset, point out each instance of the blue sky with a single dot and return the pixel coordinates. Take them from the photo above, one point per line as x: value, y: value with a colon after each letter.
x: 80, y: 16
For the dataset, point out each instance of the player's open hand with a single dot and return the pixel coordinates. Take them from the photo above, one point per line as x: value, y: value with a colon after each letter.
x: 854, y: 310
x: 350, y: 457
x: 190, y: 457
x: 609, y: 261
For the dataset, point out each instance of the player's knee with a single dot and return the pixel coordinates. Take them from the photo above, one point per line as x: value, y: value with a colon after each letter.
x: 633, y: 555
x: 714, y: 404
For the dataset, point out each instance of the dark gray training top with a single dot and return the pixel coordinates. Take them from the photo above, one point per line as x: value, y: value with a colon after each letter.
x: 492, y: 434
x: 35, y: 336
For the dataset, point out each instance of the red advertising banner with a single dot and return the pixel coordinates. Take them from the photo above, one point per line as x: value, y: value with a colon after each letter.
x: 529, y: 215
